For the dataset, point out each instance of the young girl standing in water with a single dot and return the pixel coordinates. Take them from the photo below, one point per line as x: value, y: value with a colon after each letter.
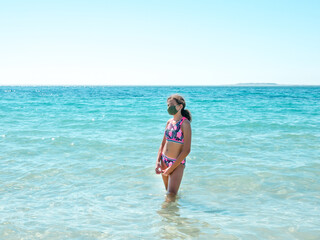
x: 175, y: 146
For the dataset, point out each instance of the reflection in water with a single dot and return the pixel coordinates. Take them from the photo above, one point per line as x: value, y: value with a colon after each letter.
x: 174, y: 226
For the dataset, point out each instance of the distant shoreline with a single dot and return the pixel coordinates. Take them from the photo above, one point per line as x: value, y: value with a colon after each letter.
x: 226, y: 85
x: 256, y: 84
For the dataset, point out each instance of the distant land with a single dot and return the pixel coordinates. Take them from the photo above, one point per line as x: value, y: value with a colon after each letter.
x: 270, y: 85
x: 146, y: 85
x: 256, y: 84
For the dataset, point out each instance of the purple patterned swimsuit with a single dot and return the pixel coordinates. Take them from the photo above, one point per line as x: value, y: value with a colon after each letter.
x: 169, y: 161
x: 173, y: 133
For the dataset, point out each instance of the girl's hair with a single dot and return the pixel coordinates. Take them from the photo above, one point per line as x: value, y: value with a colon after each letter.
x: 180, y: 100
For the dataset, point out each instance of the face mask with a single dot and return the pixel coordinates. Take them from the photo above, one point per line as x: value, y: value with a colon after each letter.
x: 172, y: 110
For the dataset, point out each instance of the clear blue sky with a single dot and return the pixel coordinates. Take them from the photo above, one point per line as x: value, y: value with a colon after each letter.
x: 159, y: 42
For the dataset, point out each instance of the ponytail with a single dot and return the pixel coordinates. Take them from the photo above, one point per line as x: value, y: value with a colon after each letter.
x: 186, y: 113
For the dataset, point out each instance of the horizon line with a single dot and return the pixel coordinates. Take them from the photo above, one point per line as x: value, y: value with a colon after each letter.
x: 146, y: 85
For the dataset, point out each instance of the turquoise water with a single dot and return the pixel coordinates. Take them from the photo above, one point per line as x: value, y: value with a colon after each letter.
x: 78, y: 163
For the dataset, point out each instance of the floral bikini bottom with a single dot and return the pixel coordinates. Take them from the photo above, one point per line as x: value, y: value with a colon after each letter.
x: 169, y: 161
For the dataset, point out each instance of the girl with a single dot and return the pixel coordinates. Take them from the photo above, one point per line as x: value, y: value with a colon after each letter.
x: 175, y: 146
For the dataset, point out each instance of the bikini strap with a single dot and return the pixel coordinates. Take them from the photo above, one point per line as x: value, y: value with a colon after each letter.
x: 183, y: 118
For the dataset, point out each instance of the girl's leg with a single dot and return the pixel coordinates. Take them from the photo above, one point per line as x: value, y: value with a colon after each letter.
x: 165, y: 181
x: 175, y: 180
x: 164, y: 178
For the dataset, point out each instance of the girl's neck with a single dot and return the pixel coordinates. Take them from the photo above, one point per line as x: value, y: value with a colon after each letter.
x: 177, y: 117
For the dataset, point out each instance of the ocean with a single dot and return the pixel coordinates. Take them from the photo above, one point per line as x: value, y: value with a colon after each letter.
x: 77, y: 162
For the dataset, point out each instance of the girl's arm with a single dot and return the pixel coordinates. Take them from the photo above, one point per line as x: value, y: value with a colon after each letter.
x: 186, y: 129
x: 161, y: 146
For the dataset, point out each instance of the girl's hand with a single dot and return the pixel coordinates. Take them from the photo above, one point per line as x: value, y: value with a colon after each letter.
x: 158, y: 168
x: 166, y: 172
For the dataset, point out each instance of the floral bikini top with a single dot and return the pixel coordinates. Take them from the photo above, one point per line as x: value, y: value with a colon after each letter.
x: 173, y: 132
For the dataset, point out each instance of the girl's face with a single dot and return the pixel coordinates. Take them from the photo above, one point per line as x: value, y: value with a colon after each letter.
x: 173, y: 102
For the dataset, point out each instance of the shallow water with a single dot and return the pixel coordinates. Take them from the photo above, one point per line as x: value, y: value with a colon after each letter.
x: 78, y: 163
